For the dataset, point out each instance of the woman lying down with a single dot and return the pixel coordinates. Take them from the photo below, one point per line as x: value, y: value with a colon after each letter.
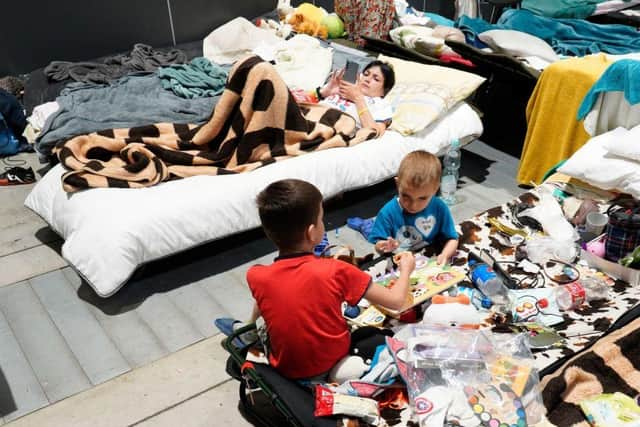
x: 363, y: 100
x: 256, y: 122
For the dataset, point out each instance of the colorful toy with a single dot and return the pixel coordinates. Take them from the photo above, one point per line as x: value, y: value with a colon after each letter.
x: 496, y: 405
x: 427, y: 280
x: 452, y: 311
x: 307, y: 19
x: 335, y: 26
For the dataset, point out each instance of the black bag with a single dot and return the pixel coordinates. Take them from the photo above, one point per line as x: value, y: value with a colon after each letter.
x: 623, y: 229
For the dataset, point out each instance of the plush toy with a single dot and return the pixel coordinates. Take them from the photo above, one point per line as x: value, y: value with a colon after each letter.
x: 281, y: 29
x: 335, y: 26
x: 302, y: 25
x: 452, y: 311
x: 284, y: 8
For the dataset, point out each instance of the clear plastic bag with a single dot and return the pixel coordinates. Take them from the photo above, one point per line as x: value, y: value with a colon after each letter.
x: 471, y: 377
x: 542, y: 249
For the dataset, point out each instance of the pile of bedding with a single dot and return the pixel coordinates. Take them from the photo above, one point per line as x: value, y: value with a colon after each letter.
x: 256, y: 122
x: 571, y: 37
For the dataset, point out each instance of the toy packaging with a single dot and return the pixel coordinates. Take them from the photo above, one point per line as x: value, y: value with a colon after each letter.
x: 369, y: 316
x: 470, y: 377
x: 427, y: 280
x: 611, y: 410
x: 535, y: 305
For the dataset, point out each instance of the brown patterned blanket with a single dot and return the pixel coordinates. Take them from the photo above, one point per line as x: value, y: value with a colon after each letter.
x: 256, y: 122
x: 611, y: 365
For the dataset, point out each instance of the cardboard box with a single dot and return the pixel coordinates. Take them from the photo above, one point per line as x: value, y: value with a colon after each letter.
x: 613, y: 269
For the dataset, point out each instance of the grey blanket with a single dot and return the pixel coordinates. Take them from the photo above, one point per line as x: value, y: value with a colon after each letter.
x: 141, y: 58
x: 130, y: 101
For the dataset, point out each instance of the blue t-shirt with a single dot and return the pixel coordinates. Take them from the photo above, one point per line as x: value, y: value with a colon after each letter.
x: 433, y: 222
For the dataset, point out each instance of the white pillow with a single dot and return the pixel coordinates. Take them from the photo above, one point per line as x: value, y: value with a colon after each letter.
x: 593, y: 164
x: 627, y: 147
x: 423, y: 93
x: 517, y: 43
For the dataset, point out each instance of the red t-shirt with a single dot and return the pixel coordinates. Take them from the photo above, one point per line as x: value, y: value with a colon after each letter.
x: 300, y: 298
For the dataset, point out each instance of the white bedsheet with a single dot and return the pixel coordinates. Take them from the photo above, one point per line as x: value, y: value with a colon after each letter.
x: 109, y: 232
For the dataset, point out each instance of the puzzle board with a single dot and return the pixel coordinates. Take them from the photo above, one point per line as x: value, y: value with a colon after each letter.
x: 427, y: 280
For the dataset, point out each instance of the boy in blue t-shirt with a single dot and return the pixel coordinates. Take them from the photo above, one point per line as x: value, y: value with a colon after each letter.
x: 416, y: 215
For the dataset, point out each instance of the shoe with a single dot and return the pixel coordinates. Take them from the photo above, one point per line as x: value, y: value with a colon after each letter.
x: 320, y: 247
x: 17, y: 175
x: 225, y: 325
x: 364, y: 226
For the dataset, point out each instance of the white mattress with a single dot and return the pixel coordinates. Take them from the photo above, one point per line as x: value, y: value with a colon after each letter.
x: 109, y: 232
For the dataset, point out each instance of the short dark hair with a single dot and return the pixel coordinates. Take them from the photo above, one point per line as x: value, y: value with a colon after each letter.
x: 387, y: 72
x: 287, y: 207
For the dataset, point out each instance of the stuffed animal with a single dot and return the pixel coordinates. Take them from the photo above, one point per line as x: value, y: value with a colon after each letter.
x: 302, y: 25
x: 284, y: 8
x: 452, y: 311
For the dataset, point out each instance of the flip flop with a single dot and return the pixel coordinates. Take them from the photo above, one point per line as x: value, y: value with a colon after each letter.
x: 364, y: 226
x: 225, y: 325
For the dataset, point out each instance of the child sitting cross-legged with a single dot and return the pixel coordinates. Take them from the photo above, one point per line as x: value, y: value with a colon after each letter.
x: 417, y: 217
x: 300, y: 295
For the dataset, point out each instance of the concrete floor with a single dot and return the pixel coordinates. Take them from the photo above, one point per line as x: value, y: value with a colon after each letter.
x: 167, y: 366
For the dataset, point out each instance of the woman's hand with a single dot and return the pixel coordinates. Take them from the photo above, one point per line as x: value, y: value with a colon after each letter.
x: 333, y: 85
x: 351, y: 92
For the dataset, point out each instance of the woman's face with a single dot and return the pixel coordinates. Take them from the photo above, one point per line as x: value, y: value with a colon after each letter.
x: 372, y: 82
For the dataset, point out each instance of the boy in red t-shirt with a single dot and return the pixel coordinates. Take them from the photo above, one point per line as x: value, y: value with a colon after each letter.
x: 299, y: 295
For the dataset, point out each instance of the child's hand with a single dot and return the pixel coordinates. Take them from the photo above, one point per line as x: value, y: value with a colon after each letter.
x: 406, y: 262
x: 442, y: 259
x: 386, y: 246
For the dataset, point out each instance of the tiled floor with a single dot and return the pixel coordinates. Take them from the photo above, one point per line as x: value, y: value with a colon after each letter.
x: 61, y: 346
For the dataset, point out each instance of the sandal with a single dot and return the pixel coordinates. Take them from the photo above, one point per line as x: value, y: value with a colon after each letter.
x: 225, y: 325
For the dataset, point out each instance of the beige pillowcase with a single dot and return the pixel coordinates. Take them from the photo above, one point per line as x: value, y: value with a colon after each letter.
x: 423, y: 93
x: 517, y: 43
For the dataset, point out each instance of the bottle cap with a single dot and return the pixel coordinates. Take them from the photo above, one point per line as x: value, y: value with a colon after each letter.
x: 486, y: 302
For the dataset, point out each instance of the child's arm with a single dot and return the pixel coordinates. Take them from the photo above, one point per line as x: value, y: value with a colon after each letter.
x: 255, y: 313
x: 448, y: 251
x: 396, y: 296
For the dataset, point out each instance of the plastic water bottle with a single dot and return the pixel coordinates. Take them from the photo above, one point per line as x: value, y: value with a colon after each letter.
x: 488, y: 282
x: 574, y: 294
x: 476, y: 297
x: 449, y: 180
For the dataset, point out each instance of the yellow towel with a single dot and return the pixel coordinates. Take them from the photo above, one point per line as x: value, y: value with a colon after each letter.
x: 553, y: 131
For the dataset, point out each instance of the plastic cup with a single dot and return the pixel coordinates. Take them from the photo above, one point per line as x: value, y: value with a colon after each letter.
x: 595, y: 222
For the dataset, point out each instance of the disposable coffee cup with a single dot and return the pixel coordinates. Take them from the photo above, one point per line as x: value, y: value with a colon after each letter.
x: 595, y: 222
